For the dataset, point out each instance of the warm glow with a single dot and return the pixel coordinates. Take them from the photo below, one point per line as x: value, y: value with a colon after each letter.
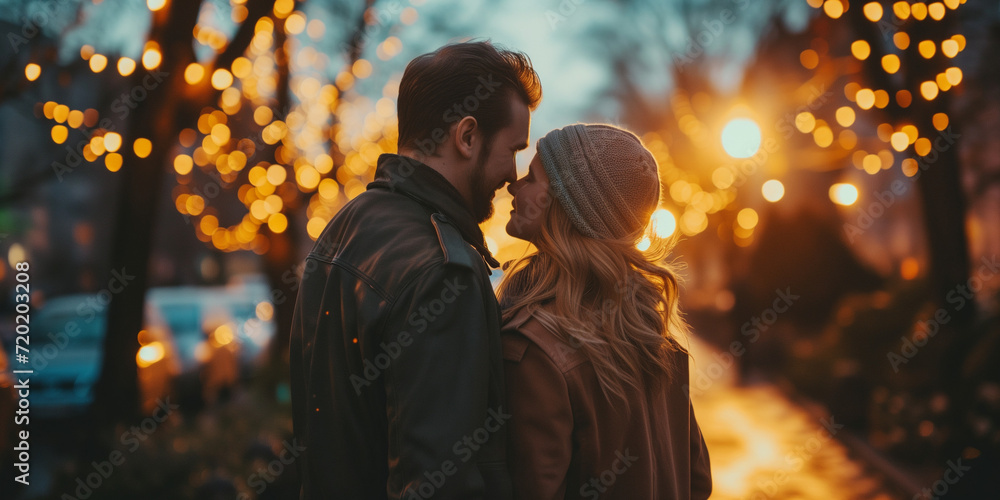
x: 922, y: 146
x: 890, y: 63
x: 861, y: 49
x: 904, y: 98
x: 773, y: 190
x: 277, y: 223
x: 295, y: 23
x: 223, y: 335
x: 126, y: 65
x: 183, y: 164
x: 909, y: 268
x: 942, y: 82
x: 60, y: 113
x: 282, y: 8
x: 307, y: 177
x: 315, y: 227
x: 881, y: 99
x: 741, y: 138
x: 142, y: 147
x: 871, y: 164
x: 929, y: 90
x: 949, y: 48
x: 936, y: 11
x: 75, y: 118
x: 722, y: 178
x: 264, y: 311
x: 194, y: 204
x: 960, y: 39
x: 113, y: 161
x: 954, y: 75
x: 848, y: 139
x: 262, y: 115
x: 873, y: 11
x: 663, y: 223
x: 833, y: 8
x: 843, y: 194
x: 362, y: 68
x: 884, y: 132
x: 220, y: 134
x: 155, y: 5
x: 59, y: 134
x: 98, y: 62
x: 927, y: 49
x: 276, y: 174
x: 97, y: 145
x: 919, y: 11
x: 899, y: 141
x: 747, y: 218
x: 644, y: 244
x: 901, y: 40
x: 805, y: 122
x: 222, y: 79
x: 151, y: 57
x: 194, y: 73
x: 242, y: 67
x: 32, y: 71
x: 845, y: 116
x: 149, y: 353
x: 112, y: 141
x: 823, y: 136
x: 901, y: 9
x: 865, y: 98
x: 809, y: 59
x: 940, y: 121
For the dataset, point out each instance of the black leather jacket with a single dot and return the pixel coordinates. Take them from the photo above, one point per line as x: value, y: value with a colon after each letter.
x: 396, y: 365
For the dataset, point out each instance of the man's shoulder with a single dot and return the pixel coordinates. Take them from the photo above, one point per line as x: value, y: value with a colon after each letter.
x: 391, y: 239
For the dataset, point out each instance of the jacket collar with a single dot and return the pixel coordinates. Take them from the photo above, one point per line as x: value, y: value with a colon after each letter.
x: 402, y: 174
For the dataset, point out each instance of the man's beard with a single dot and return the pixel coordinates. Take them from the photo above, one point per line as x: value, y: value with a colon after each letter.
x: 482, y: 192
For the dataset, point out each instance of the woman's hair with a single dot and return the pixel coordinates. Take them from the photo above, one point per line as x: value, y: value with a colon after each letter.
x: 613, y: 302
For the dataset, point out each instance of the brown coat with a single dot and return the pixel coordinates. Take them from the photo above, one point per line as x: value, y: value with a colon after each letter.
x: 566, y: 440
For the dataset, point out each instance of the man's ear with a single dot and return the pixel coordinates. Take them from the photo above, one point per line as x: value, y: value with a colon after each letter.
x: 466, y: 135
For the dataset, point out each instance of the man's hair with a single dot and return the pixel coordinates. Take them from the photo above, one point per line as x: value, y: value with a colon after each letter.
x: 474, y: 79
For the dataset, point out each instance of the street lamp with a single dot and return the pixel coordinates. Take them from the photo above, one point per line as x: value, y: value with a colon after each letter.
x: 741, y: 138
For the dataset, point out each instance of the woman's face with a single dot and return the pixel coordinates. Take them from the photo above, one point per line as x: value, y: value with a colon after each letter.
x: 531, y: 199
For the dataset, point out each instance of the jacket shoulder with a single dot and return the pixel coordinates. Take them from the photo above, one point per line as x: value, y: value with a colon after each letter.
x: 456, y: 250
x: 521, y: 334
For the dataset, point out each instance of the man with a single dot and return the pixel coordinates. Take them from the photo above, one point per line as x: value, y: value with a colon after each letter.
x: 396, y: 365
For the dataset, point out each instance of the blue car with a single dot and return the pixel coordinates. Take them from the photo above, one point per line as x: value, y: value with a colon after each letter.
x: 185, y: 327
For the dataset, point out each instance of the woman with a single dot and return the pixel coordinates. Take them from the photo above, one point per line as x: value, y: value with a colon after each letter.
x: 596, y: 379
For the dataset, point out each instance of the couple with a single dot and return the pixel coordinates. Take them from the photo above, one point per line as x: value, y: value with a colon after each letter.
x: 410, y: 381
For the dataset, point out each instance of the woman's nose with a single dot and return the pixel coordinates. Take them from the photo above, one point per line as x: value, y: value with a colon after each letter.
x: 513, y: 187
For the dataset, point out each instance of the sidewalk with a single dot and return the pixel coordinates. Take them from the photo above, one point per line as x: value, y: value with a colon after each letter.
x: 764, y: 446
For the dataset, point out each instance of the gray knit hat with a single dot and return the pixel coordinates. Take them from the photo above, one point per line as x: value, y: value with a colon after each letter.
x: 603, y: 177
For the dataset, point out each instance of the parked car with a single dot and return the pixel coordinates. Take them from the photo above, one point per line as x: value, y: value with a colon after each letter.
x: 184, y: 326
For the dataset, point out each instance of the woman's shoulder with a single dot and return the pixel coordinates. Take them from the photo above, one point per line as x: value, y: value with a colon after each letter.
x: 523, y: 332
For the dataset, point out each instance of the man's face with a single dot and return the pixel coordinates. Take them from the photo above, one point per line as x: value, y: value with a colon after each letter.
x: 496, y: 163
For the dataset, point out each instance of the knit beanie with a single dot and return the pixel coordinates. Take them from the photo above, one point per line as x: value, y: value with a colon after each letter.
x: 604, y: 178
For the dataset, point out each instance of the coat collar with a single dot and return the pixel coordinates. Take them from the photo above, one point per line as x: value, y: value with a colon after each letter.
x: 412, y: 178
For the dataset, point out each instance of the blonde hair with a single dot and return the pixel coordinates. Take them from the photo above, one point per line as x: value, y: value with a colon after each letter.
x: 616, y: 304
